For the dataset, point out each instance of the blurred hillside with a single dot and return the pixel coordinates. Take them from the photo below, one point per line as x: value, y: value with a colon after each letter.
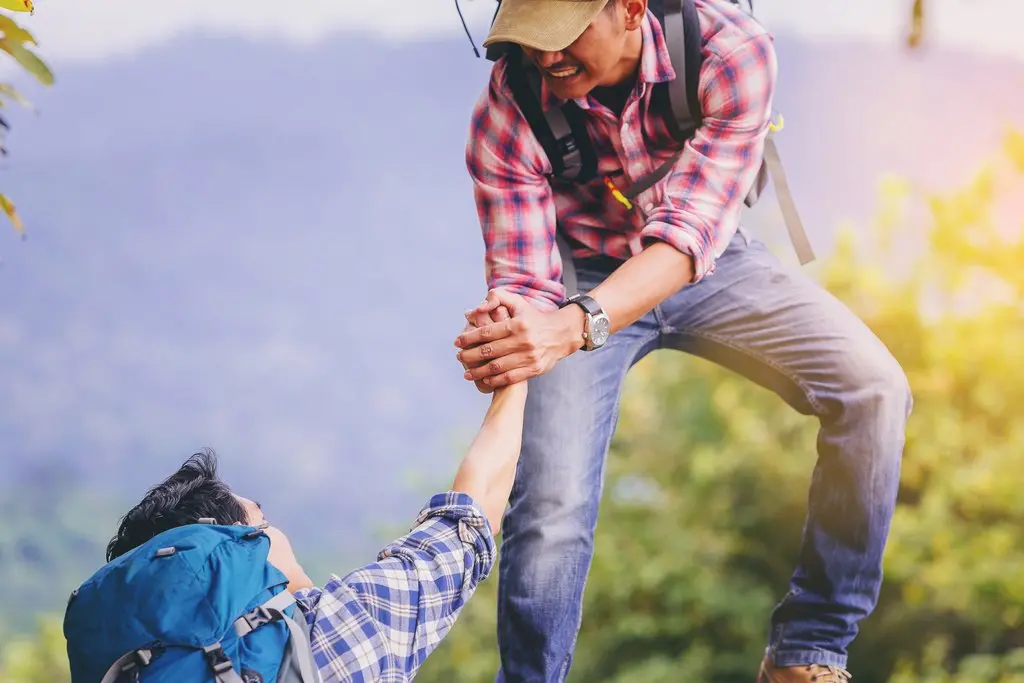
x: 267, y: 250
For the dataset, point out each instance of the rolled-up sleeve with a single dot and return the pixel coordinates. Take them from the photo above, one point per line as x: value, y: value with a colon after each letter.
x: 384, y: 619
x: 705, y: 191
x: 513, y: 198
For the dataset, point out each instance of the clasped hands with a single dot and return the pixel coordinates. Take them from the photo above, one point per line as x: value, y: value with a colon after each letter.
x: 507, y: 340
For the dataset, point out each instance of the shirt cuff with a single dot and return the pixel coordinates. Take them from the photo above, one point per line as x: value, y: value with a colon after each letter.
x: 459, y: 509
x: 687, y: 240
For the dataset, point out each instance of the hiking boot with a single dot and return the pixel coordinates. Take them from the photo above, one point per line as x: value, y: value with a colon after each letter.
x: 804, y: 673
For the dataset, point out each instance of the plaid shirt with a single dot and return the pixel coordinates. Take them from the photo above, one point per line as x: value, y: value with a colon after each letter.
x: 381, y: 621
x: 695, y: 208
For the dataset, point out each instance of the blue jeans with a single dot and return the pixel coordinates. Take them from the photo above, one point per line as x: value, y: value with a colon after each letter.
x: 777, y: 328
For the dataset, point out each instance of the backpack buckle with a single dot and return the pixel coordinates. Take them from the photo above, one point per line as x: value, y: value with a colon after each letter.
x: 253, y: 619
x: 259, y: 616
x: 216, y: 658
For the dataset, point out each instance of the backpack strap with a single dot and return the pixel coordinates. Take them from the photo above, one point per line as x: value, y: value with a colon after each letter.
x: 271, y: 610
x: 790, y: 215
x: 561, y: 131
x: 681, y: 25
x: 221, y: 665
x: 128, y: 664
x: 568, y: 265
x: 685, y: 48
x: 300, y: 651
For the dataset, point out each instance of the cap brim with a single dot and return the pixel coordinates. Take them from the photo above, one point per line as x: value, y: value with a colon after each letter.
x: 547, y: 25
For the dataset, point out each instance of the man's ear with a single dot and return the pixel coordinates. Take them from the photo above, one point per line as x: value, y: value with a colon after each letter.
x: 635, y: 11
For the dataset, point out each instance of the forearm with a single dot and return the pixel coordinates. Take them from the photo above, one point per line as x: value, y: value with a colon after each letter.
x: 394, y: 612
x: 488, y: 469
x: 643, y: 282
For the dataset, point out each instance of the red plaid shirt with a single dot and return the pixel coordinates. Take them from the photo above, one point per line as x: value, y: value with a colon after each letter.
x: 695, y: 208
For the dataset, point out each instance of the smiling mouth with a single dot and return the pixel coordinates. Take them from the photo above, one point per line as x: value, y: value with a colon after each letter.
x: 567, y: 72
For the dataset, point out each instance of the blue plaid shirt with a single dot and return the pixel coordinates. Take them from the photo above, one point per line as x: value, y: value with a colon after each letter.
x: 380, y: 622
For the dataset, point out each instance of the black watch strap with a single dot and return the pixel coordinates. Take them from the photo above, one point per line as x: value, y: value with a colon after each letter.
x: 586, y: 303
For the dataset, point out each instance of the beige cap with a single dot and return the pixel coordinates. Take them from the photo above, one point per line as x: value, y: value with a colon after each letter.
x: 547, y: 25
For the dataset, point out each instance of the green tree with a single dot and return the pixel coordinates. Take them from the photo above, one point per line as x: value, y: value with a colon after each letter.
x: 16, y: 42
x: 708, y: 475
x: 38, y: 658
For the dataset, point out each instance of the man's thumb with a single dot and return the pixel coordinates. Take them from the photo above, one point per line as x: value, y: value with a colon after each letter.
x: 515, y: 304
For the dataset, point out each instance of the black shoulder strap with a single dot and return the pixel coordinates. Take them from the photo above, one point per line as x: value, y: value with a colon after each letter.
x: 561, y: 131
x: 681, y: 26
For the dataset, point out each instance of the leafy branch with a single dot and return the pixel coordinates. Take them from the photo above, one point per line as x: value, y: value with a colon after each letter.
x: 17, y: 42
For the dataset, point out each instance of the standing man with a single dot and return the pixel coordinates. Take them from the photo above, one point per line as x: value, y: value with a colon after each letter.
x: 675, y: 272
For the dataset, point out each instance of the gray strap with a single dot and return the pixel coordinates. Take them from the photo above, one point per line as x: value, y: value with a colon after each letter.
x: 675, y: 39
x: 646, y: 182
x: 264, y: 613
x: 794, y: 225
x: 301, y: 646
x: 125, y: 664
x: 272, y: 610
x: 223, y: 669
x: 556, y: 120
x: 568, y: 266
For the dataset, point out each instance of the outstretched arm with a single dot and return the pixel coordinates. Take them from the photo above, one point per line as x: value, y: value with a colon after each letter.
x: 489, y: 467
x: 386, y: 618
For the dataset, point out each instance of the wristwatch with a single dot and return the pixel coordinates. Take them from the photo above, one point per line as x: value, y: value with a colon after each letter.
x: 596, y: 325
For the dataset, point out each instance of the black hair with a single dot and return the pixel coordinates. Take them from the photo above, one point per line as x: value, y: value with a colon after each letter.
x: 188, y: 495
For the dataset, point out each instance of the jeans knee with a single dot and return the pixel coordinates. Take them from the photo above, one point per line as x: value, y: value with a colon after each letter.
x: 878, y: 388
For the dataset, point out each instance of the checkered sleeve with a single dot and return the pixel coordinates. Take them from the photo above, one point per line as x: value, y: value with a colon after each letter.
x: 381, y: 621
x: 705, y: 191
x: 513, y: 198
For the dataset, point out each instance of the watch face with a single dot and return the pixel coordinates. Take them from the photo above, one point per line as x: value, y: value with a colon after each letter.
x: 599, y: 330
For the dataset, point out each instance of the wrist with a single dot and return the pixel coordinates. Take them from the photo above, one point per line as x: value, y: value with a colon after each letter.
x: 571, y: 326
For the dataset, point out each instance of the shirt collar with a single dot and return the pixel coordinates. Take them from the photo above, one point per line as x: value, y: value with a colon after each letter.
x: 655, y: 64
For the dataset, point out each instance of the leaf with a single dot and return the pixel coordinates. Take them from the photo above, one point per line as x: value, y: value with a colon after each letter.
x: 8, y: 90
x: 916, y: 24
x: 18, y: 5
x: 8, y: 207
x: 13, y: 31
x: 28, y: 60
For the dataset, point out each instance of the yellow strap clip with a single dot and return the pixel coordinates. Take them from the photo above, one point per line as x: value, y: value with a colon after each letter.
x: 621, y: 198
x: 776, y: 127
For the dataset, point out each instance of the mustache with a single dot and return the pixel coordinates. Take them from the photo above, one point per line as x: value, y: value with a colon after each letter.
x: 562, y: 65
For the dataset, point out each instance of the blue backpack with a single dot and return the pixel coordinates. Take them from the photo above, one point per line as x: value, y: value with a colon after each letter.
x: 195, y: 604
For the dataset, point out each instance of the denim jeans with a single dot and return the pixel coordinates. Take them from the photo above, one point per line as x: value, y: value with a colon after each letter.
x: 777, y: 328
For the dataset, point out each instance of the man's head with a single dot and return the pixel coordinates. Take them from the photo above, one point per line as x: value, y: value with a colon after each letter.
x: 578, y: 45
x: 192, y: 493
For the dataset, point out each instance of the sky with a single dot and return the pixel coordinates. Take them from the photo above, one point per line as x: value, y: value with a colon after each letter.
x: 100, y: 29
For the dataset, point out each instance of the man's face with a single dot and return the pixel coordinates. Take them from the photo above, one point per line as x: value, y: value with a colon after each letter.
x: 599, y: 57
x: 281, y: 554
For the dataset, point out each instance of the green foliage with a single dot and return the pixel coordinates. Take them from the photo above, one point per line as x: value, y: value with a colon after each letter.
x: 708, y: 477
x: 40, y: 658
x: 53, y: 535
